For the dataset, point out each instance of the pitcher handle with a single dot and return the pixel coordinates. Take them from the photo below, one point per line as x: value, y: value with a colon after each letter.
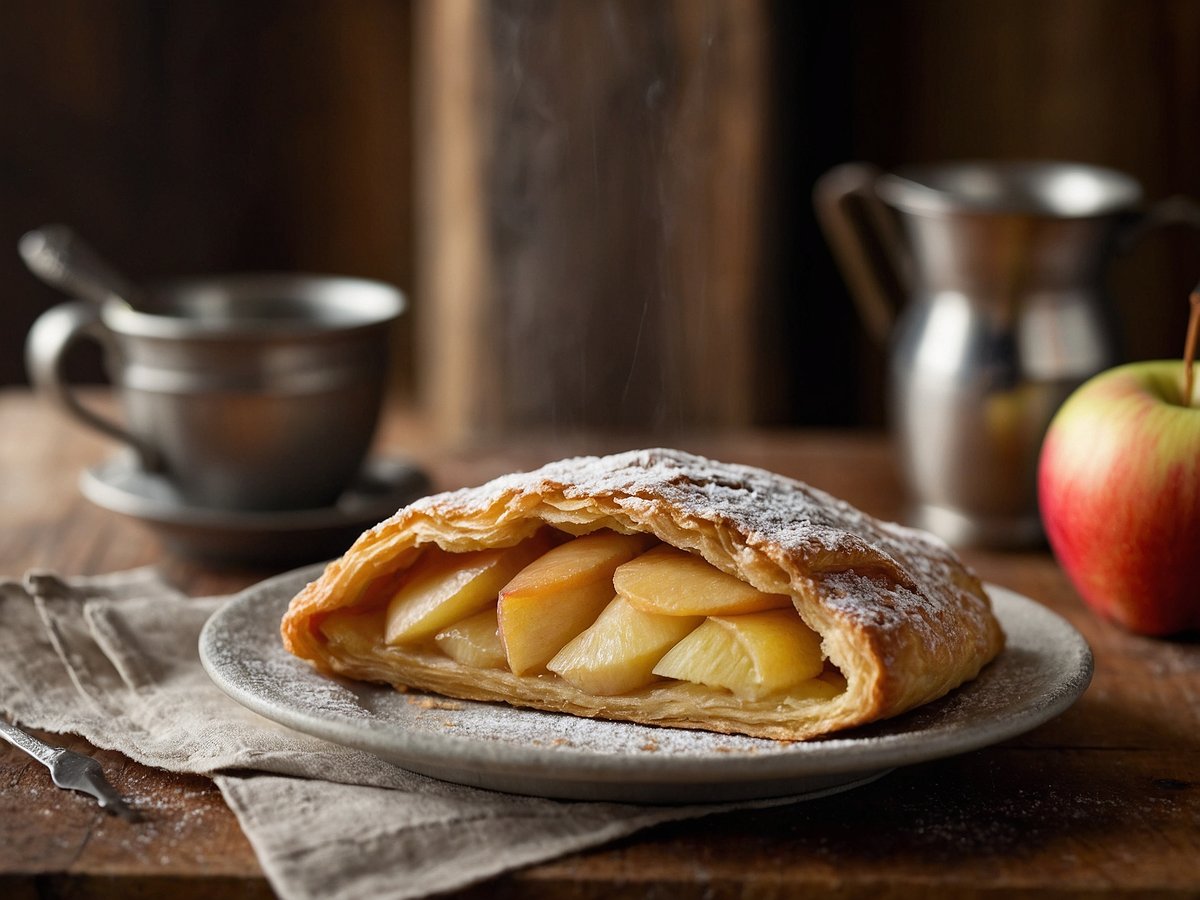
x: 1174, y: 210
x: 866, y: 242
x: 52, y: 335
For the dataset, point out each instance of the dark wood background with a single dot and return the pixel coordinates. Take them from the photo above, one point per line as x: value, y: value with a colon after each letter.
x: 634, y: 169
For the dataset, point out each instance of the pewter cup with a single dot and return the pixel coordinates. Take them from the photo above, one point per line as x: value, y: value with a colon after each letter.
x: 986, y: 282
x: 252, y: 392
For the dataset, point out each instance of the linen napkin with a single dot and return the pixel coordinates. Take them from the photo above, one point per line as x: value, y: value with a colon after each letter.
x: 113, y: 658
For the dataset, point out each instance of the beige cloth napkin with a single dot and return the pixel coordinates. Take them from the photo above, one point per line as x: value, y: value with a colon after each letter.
x: 114, y: 659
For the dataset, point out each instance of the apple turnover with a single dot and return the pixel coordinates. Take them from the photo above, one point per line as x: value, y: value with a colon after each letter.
x: 655, y: 587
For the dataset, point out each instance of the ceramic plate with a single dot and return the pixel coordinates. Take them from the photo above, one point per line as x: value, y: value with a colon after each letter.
x: 1044, y: 668
x: 286, y: 537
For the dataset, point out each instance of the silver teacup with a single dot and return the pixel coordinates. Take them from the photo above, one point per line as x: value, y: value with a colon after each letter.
x: 247, y: 392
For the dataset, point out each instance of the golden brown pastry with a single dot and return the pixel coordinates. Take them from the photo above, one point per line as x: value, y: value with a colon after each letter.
x: 657, y: 587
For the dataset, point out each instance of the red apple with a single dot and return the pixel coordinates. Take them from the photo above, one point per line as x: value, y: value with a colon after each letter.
x: 1119, y: 489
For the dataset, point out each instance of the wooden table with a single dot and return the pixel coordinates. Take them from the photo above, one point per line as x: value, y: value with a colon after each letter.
x: 1103, y: 800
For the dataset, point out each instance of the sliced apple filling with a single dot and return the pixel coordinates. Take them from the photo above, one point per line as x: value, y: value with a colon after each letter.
x: 607, y: 613
x: 619, y: 652
x: 475, y: 641
x: 753, y: 655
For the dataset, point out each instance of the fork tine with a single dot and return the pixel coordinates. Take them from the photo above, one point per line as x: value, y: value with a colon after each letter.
x: 78, y: 772
x: 70, y: 770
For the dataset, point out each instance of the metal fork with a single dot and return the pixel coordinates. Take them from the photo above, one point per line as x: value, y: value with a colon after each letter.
x: 70, y: 770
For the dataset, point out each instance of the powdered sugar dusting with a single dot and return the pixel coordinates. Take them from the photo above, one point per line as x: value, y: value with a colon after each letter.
x: 503, y: 725
x: 818, y: 534
x: 272, y: 672
x: 766, y: 506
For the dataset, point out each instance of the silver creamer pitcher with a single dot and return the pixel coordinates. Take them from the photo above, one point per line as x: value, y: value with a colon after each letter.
x: 986, y: 280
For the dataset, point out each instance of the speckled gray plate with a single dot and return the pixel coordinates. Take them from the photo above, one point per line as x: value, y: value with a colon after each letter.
x: 1043, y: 670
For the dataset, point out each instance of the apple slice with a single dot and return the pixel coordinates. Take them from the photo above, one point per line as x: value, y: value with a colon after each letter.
x: 357, y: 631
x: 753, y: 655
x: 673, y: 582
x: 560, y: 594
x: 443, y: 588
x: 619, y: 652
x: 475, y: 641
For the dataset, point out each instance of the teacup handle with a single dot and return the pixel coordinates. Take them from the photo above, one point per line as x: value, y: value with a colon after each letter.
x: 52, y: 335
x: 866, y: 242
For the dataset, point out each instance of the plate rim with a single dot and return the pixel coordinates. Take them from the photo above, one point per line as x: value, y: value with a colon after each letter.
x: 824, y: 757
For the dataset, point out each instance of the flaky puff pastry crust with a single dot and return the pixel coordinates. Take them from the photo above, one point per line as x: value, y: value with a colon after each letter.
x: 897, y: 612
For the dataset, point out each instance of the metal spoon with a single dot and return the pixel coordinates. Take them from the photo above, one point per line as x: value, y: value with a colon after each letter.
x: 60, y: 258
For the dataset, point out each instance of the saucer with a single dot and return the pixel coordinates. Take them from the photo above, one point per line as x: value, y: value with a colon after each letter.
x: 120, y: 485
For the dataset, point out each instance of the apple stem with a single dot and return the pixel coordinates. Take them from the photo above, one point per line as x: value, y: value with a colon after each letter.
x: 1189, y: 347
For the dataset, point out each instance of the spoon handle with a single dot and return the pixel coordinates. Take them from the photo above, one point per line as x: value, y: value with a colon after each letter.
x: 59, y: 257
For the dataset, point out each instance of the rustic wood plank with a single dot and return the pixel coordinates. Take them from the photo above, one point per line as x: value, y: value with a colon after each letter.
x: 1003, y: 822
x: 922, y: 832
x: 186, y: 832
x: 584, y: 266
x: 454, y: 350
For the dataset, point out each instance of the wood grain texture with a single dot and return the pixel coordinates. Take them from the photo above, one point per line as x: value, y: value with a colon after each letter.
x: 456, y: 353
x: 602, y: 162
x: 594, y: 191
x: 1102, y: 802
x: 207, y: 136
